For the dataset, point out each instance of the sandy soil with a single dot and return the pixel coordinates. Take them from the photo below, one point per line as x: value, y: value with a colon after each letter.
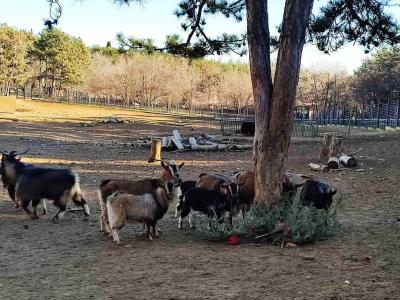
x: 73, y: 260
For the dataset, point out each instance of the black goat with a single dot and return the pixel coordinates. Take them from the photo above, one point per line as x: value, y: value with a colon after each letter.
x: 31, y: 183
x: 180, y: 192
x: 208, y: 202
x: 9, y: 174
x: 248, y: 127
x: 317, y: 193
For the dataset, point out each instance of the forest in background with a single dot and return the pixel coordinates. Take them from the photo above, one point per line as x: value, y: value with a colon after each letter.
x: 54, y: 62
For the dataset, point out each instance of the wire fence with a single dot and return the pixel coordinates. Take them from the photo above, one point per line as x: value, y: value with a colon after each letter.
x: 307, y: 121
x: 368, y: 114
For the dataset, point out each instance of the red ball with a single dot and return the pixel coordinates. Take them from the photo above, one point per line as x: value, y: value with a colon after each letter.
x: 233, y: 240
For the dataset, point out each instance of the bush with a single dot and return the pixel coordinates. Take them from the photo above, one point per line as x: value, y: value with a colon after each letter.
x: 307, y: 224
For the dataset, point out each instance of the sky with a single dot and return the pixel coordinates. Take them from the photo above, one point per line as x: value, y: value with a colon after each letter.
x: 98, y: 21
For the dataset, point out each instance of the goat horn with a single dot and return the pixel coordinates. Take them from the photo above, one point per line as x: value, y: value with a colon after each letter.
x: 3, y: 152
x: 23, y: 152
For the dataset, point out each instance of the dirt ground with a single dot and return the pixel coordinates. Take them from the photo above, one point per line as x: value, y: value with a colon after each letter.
x: 73, y: 260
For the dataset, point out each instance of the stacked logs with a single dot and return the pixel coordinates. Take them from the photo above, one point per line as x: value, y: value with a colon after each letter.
x: 331, y: 155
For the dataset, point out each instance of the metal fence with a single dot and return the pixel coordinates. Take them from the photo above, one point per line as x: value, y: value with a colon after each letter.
x: 232, y: 125
x: 369, y: 114
x: 309, y: 122
x: 80, y: 97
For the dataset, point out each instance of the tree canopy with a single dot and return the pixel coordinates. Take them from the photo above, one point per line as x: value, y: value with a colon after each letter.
x: 15, y: 47
x: 379, y: 76
x: 366, y: 22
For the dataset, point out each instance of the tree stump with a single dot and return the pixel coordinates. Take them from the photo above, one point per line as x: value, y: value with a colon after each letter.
x: 336, y: 147
x: 326, y: 144
x: 155, y: 151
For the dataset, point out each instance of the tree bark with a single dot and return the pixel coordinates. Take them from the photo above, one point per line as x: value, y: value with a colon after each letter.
x: 274, y: 104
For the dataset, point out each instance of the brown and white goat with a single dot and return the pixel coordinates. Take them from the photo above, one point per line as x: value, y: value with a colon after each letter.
x: 145, y: 208
x: 170, y: 174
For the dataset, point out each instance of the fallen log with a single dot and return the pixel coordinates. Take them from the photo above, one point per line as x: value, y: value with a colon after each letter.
x: 165, y: 141
x: 210, y: 138
x: 177, y: 140
x: 192, y: 142
x: 356, y: 152
x: 318, y: 167
x: 204, y: 147
x: 333, y: 163
x: 348, y: 161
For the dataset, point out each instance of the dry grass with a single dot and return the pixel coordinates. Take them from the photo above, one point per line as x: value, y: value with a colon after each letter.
x: 40, y: 111
x: 7, y: 106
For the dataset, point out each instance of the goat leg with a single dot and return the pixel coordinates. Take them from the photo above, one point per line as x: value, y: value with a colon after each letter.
x: 149, y: 232
x: 44, y: 207
x: 35, y: 203
x: 28, y: 211
x: 155, y: 232
x: 60, y: 214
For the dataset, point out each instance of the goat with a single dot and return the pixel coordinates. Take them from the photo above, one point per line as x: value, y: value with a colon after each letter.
x: 317, y: 193
x: 146, y: 208
x: 208, y: 202
x: 245, y: 182
x: 313, y: 192
x: 34, y: 184
x: 224, y: 185
x: 180, y: 191
x: 137, y: 187
x: 219, y: 183
x: 246, y: 192
x: 9, y: 175
x: 248, y: 127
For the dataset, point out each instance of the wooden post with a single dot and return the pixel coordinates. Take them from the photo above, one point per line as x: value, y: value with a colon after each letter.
x: 155, y: 151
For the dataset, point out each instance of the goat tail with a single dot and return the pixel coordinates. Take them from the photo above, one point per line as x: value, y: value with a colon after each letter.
x: 77, y: 196
x: 114, y: 215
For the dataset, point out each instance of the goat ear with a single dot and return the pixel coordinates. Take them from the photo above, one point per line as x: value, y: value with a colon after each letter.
x: 181, y: 165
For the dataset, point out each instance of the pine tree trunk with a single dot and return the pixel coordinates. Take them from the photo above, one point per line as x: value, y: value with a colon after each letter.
x: 274, y: 105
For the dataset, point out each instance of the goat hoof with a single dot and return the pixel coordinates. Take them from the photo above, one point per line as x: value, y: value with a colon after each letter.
x: 44, y: 212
